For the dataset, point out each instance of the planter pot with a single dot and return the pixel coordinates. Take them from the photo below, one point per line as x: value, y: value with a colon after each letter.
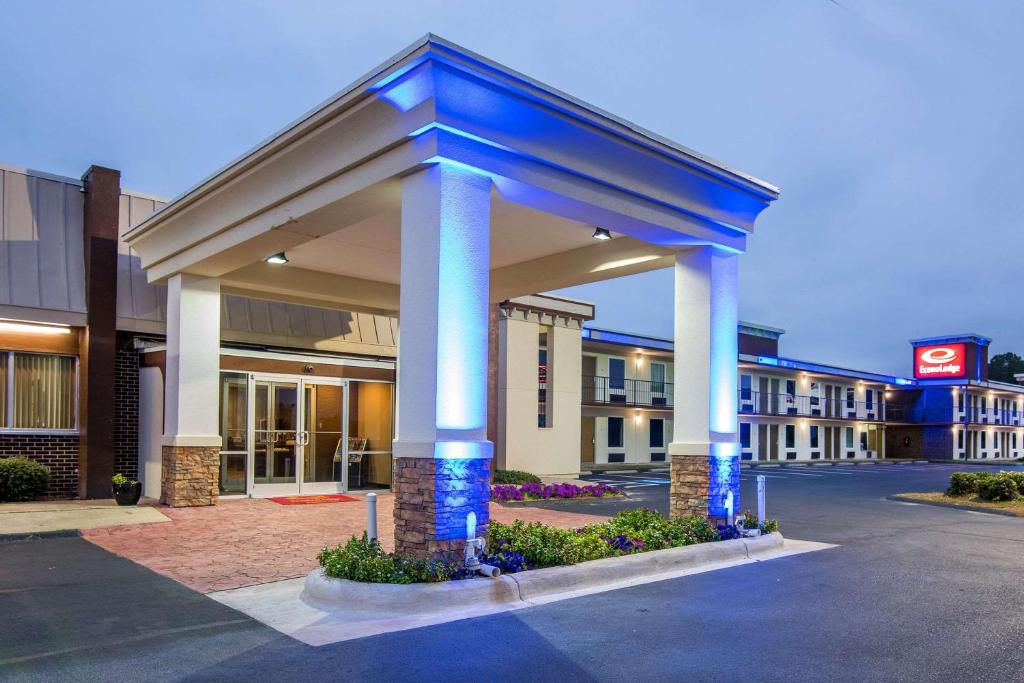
x: 128, y: 494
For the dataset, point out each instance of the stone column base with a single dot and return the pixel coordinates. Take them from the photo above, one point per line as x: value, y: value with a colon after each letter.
x: 189, y: 475
x: 689, y: 478
x: 433, y: 496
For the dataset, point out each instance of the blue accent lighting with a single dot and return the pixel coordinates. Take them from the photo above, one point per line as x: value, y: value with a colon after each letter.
x: 724, y: 477
x: 463, y: 286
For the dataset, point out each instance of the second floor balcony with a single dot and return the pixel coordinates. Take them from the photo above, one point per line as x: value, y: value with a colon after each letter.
x: 632, y: 393
x: 758, y: 403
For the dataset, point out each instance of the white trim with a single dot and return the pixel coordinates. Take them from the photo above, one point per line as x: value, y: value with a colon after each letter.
x: 309, y: 358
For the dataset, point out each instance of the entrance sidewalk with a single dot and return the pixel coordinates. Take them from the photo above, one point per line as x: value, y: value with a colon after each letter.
x: 46, y: 517
x: 246, y: 542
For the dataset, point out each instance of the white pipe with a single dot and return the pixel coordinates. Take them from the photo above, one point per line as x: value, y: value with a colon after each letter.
x: 371, y: 515
x: 760, y: 500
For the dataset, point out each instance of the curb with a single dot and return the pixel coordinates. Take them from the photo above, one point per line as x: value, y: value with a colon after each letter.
x: 40, y: 535
x: 951, y: 506
x: 382, y: 599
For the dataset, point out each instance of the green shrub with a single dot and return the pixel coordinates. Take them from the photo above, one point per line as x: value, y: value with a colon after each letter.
x: 769, y: 526
x: 629, y: 531
x: 363, y: 560
x: 22, y: 479
x: 1000, y: 487
x: 963, y: 484
x: 514, y: 477
x: 1018, y: 479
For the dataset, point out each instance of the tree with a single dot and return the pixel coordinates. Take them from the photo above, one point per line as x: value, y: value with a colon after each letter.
x: 1003, y: 367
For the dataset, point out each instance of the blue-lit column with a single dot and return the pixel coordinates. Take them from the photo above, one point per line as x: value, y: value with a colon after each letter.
x: 705, y: 443
x: 442, y: 456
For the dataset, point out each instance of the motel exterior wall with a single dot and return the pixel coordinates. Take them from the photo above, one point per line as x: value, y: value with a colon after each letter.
x: 44, y: 280
x: 539, y: 410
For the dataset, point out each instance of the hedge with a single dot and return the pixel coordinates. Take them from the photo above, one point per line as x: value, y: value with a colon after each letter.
x: 22, y: 479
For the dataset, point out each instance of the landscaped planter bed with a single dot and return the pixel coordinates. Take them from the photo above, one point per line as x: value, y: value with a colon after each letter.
x: 525, y: 546
x: 329, y: 593
x: 532, y: 492
x: 998, y: 493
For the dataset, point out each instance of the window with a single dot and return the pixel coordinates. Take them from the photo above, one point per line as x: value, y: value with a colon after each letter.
x: 814, y: 436
x: 869, y: 399
x: 545, y: 358
x: 38, y: 391
x: 849, y: 437
x: 850, y: 401
x: 745, y: 435
x: 657, y: 433
x: 658, y: 378
x: 960, y: 438
x: 791, y: 388
x: 745, y: 388
x: 790, y: 436
x: 3, y: 389
x: 234, y: 432
x: 615, y: 432
x: 616, y: 373
x: 983, y: 435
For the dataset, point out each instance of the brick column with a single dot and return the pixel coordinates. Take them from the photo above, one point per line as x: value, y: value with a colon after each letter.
x: 433, y: 498
x: 98, y: 341
x: 190, y: 451
x: 705, y: 444
x: 442, y: 455
x: 189, y: 475
x: 689, y: 485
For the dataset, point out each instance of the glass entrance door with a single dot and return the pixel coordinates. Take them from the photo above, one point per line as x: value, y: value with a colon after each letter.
x: 276, y: 437
x: 299, y: 435
x: 324, y: 442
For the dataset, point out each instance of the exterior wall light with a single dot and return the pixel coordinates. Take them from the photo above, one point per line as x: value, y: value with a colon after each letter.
x: 33, y: 328
x: 602, y: 234
x: 277, y: 259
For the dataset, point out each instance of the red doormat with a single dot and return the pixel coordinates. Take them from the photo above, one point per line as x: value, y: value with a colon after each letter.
x: 312, y: 500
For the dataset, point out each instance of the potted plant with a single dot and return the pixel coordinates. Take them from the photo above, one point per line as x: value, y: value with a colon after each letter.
x: 126, y: 491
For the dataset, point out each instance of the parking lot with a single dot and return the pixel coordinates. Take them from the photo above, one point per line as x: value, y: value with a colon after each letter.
x: 910, y: 592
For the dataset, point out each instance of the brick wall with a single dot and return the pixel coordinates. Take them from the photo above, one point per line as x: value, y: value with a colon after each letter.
x: 126, y: 409
x: 59, y: 453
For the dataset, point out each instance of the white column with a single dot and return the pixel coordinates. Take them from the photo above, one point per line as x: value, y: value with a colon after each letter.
x: 442, y: 371
x: 705, y: 379
x: 191, y: 412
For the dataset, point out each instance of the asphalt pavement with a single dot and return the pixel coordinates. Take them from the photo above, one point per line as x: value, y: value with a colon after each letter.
x: 912, y: 593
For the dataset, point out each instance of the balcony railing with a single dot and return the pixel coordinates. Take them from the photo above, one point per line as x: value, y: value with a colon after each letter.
x: 757, y: 403
x: 626, y: 392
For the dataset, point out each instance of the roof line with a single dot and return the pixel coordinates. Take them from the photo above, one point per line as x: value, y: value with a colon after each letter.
x: 359, y: 86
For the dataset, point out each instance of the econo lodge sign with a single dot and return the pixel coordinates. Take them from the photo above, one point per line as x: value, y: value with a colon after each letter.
x: 944, y: 360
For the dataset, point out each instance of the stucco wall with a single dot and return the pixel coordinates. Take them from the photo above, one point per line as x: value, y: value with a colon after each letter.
x: 553, y: 450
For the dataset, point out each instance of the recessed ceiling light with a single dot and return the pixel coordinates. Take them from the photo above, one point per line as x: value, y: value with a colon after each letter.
x: 602, y: 234
x: 277, y: 258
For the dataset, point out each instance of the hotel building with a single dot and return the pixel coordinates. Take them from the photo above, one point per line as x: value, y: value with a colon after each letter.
x: 789, y: 410
x: 306, y: 394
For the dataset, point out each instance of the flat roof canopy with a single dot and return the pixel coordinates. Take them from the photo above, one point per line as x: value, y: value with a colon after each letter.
x: 327, y: 189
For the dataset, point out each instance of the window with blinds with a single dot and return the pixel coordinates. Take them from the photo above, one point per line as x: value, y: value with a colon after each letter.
x: 4, y: 362
x: 38, y: 391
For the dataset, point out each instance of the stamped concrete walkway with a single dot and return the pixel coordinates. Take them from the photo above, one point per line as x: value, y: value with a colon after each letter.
x: 252, y: 541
